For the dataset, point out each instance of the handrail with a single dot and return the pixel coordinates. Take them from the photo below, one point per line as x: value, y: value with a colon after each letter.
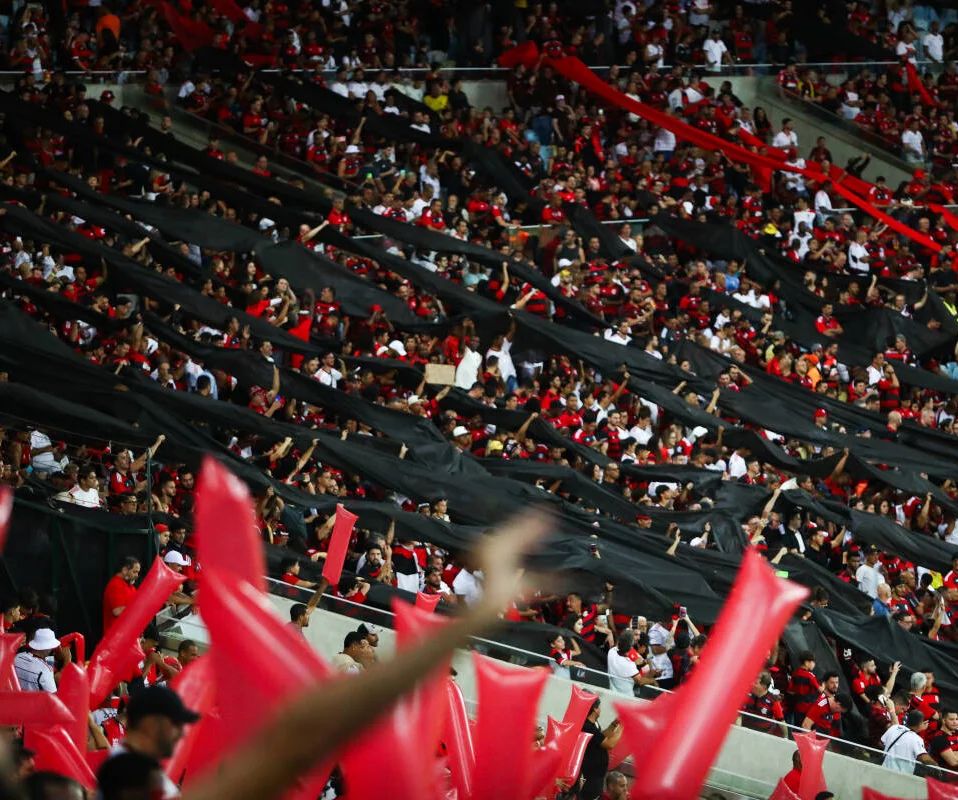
x: 842, y: 746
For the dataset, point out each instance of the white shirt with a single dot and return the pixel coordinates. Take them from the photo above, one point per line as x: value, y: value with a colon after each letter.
x: 612, y: 335
x: 785, y: 139
x: 330, y: 378
x: 507, y: 369
x: 661, y: 637
x: 934, y: 45
x: 466, y: 586
x: 467, y: 371
x: 45, y: 462
x: 664, y: 140
x: 714, y: 49
x: 857, y: 252
x: 868, y: 579
x: 808, y: 217
x: 89, y: 498
x: 913, y: 142
x: 906, y: 746
x: 34, y: 674
x: 736, y: 466
x: 823, y: 202
x: 621, y: 671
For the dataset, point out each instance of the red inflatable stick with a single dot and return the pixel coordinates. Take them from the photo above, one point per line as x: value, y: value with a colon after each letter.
x: 871, y: 794
x: 812, y: 749
x: 505, y: 693
x: 619, y: 753
x: 119, y: 651
x: 226, y: 537
x: 34, y: 709
x: 56, y: 752
x: 569, y: 771
x: 427, y: 602
x: 338, y: 544
x: 74, y: 693
x: 457, y: 736
x: 6, y: 509
x: 78, y: 640
x: 678, y: 744
x: 403, y: 772
x: 941, y: 791
x: 782, y: 792
x: 545, y: 764
x: 9, y: 644
x: 195, y: 686
x: 580, y: 701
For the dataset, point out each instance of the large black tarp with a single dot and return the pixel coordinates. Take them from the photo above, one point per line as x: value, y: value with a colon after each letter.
x: 596, y: 538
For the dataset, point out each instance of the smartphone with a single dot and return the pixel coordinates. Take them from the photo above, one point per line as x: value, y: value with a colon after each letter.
x: 683, y: 612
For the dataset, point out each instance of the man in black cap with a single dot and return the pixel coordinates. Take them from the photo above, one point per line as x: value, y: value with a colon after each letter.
x: 155, y: 719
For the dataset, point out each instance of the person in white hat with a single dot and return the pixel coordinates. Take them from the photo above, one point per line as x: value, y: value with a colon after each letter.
x: 176, y: 561
x: 33, y: 669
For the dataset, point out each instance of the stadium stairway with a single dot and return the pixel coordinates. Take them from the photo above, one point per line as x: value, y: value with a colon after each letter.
x: 749, y: 765
x: 845, y: 139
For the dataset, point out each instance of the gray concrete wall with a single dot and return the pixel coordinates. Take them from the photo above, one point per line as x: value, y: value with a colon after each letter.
x: 750, y: 763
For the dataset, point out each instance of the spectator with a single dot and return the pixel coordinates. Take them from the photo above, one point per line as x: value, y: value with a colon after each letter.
x: 120, y: 591
x: 595, y: 762
x: 904, y: 746
x: 32, y: 666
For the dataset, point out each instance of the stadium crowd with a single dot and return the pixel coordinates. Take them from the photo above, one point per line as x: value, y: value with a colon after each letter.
x: 571, y: 151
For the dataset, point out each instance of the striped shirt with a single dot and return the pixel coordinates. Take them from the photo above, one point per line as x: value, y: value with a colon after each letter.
x: 34, y: 674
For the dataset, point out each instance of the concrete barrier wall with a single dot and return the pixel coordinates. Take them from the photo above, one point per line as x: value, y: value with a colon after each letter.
x: 750, y: 763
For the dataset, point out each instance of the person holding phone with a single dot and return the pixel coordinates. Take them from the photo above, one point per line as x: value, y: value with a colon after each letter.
x: 595, y: 762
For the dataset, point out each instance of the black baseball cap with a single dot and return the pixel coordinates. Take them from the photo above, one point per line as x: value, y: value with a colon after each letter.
x: 158, y: 701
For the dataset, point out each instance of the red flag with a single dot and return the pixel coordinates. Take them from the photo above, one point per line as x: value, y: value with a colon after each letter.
x: 338, y: 544
x: 192, y: 35
x: 917, y: 86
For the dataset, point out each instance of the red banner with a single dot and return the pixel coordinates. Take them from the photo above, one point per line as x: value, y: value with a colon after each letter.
x: 574, y: 70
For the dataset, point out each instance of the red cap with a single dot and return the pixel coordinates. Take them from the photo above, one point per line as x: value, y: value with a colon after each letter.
x: 820, y: 412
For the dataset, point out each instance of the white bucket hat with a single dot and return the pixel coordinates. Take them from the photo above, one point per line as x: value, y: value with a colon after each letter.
x: 44, y: 639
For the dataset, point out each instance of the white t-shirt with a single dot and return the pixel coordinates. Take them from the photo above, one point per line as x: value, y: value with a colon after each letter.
x: 714, y: 49
x: 331, y: 378
x: 44, y: 462
x: 507, y: 369
x: 934, y: 45
x: 905, y: 747
x: 868, y: 579
x: 785, y: 139
x: 913, y: 142
x: 89, y: 498
x: 621, y: 672
x: 807, y: 216
x: 857, y: 252
x: 661, y: 637
x: 664, y: 141
x: 467, y: 371
x: 467, y: 587
x: 737, y: 466
x: 823, y: 202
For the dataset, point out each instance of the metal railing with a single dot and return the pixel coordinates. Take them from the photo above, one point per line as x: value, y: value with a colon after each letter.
x: 595, y: 677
